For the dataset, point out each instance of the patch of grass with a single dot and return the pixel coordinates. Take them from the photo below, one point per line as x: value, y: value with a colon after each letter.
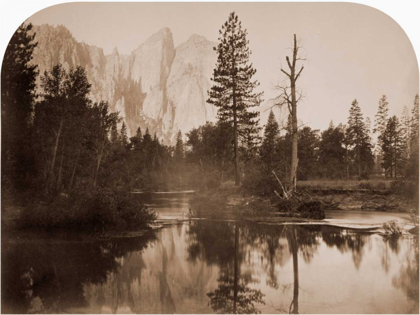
x: 373, y: 184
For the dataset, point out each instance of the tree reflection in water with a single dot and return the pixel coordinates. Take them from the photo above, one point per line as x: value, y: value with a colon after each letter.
x: 227, y: 267
x: 228, y: 244
x: 45, y: 276
x: 222, y: 246
x: 408, y: 278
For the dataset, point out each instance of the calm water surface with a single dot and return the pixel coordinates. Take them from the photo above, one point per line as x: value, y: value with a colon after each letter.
x: 214, y: 266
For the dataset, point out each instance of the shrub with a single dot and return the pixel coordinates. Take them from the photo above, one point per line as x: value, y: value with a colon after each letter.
x: 311, y: 210
x: 365, y: 185
x: 90, y: 210
x: 259, y: 180
x: 392, y: 228
x: 381, y: 186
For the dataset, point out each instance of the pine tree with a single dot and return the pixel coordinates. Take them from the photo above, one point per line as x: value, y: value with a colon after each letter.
x: 123, y: 135
x: 308, y: 147
x: 114, y: 133
x: 358, y: 138
x: 18, y: 77
x: 233, y: 91
x: 392, y: 147
x: 413, y: 163
x: 179, y: 148
x: 368, y: 125
x: 135, y: 142
x: 381, y: 118
x: 415, y: 120
x: 271, y: 135
x: 332, y: 154
x: 147, y: 138
x: 405, y: 132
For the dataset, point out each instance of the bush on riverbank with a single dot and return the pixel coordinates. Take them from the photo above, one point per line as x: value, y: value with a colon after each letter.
x: 92, y: 210
x: 392, y: 229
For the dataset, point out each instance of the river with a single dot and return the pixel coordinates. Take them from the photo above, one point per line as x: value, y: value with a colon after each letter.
x: 208, y: 266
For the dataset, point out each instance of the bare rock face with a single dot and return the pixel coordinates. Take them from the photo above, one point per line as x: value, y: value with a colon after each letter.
x: 188, y: 84
x: 150, y: 65
x: 155, y: 87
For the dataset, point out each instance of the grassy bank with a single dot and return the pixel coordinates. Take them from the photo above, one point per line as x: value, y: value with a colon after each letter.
x: 350, y: 184
x: 229, y: 201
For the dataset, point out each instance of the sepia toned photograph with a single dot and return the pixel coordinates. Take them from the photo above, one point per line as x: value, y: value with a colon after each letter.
x: 200, y: 158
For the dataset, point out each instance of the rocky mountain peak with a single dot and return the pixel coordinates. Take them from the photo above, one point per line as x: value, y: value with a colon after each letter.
x: 156, y: 86
x: 197, y: 39
x: 115, y: 52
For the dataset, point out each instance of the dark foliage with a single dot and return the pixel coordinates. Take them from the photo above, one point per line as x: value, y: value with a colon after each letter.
x: 94, y: 210
x: 311, y: 210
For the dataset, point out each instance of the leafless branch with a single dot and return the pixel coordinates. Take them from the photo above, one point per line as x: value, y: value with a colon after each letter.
x: 299, y: 72
x: 285, y: 73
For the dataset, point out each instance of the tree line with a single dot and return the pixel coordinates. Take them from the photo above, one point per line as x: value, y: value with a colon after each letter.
x: 60, y: 140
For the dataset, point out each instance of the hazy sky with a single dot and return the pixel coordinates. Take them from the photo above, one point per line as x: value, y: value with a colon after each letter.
x: 353, y: 51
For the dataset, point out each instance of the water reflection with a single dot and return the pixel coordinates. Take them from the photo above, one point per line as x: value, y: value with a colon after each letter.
x: 407, y: 279
x: 214, y: 266
x: 46, y: 276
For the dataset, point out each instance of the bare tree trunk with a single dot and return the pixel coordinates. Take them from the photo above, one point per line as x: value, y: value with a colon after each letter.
x: 235, y: 131
x: 236, y: 268
x: 60, y: 170
x: 74, y: 170
x: 347, y: 163
x: 57, y: 141
x: 295, y: 302
x: 235, y: 127
x: 98, y: 164
x: 293, y: 78
x: 292, y: 101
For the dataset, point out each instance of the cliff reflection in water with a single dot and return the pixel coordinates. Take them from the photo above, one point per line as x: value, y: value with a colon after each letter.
x: 211, y: 266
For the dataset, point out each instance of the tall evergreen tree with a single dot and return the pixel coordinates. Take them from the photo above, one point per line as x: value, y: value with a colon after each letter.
x: 114, y: 133
x: 179, y: 148
x: 147, y: 138
x: 368, y: 125
x: 405, y: 131
x: 269, y: 144
x: 332, y: 153
x: 381, y: 117
x: 308, y: 149
x: 392, y: 147
x: 413, y: 163
x: 381, y: 120
x: 135, y: 142
x: 233, y: 91
x: 415, y: 120
x: 358, y: 138
x: 18, y: 77
x: 123, y: 135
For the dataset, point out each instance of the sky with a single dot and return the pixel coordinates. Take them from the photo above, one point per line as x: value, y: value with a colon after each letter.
x: 352, y: 51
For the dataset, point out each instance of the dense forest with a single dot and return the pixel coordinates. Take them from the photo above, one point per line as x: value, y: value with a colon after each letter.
x: 59, y: 148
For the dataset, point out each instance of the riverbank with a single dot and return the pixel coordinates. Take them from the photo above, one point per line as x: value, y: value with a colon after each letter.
x: 82, y: 214
x: 233, y: 203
